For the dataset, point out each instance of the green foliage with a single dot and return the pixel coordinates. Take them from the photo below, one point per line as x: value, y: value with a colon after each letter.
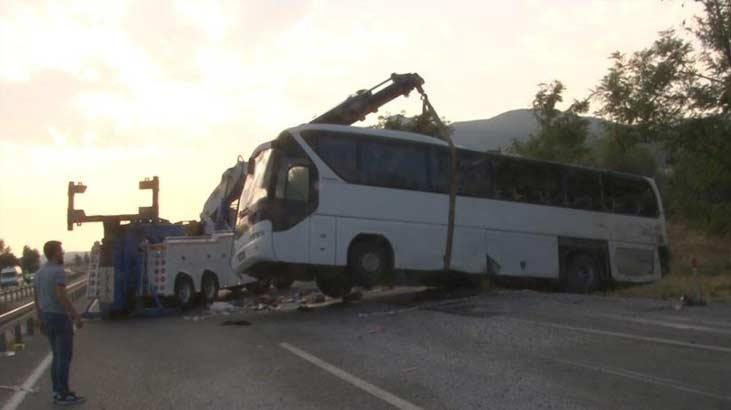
x: 646, y: 93
x: 700, y: 191
x: 30, y: 261
x: 7, y: 257
x: 637, y: 159
x: 562, y: 134
x: 420, y: 124
x: 713, y: 30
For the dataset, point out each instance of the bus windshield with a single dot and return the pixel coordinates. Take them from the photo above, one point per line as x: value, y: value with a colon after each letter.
x: 255, y: 187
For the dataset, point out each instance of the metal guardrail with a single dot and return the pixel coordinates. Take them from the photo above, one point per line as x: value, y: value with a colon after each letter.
x: 24, y: 291
x: 22, y: 320
x: 17, y: 293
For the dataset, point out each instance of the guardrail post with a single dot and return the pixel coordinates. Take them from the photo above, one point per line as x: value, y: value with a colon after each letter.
x: 3, y: 342
x: 31, y: 326
x: 18, y: 333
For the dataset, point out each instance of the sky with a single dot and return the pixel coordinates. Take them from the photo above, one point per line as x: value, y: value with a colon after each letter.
x: 111, y: 92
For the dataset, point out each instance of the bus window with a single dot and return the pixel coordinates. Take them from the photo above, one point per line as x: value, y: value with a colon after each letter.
x: 476, y: 175
x: 630, y: 196
x: 439, y: 170
x: 394, y: 165
x: 337, y: 150
x: 298, y: 184
x: 583, y: 190
x: 505, y: 184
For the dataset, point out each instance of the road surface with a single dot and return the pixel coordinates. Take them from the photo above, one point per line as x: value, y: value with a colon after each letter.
x: 406, y: 348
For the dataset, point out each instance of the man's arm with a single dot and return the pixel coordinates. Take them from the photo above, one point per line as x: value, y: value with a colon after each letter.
x: 63, y: 298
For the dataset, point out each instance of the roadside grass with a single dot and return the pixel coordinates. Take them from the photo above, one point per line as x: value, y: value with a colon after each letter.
x: 714, y: 267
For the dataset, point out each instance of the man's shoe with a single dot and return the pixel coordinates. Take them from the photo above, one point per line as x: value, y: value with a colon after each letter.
x: 69, y: 399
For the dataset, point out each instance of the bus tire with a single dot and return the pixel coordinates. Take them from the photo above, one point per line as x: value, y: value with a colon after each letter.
x: 368, y: 263
x: 209, y: 288
x: 582, y: 274
x: 184, y: 291
x: 334, y: 284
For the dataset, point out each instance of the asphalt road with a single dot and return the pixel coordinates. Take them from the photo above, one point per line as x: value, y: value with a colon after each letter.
x: 406, y: 348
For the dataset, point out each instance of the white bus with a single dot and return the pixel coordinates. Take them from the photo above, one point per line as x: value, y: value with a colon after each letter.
x: 360, y: 206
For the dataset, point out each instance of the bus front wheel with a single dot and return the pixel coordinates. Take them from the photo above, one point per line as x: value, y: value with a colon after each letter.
x: 582, y: 275
x: 368, y: 262
x: 334, y: 284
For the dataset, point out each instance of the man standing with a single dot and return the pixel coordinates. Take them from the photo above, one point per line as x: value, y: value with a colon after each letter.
x: 55, y: 314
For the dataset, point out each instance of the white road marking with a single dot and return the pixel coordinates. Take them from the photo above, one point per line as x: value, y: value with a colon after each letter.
x: 675, y: 325
x: 645, y: 378
x: 17, y: 398
x: 355, y: 381
x: 630, y: 336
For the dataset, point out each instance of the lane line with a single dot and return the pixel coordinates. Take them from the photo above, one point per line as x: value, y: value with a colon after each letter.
x: 675, y: 325
x: 671, y: 342
x: 645, y: 378
x: 17, y: 398
x: 389, y: 398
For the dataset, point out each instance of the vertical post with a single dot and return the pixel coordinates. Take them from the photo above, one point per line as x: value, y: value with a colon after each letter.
x: 18, y: 333
x: 698, y: 288
x: 3, y: 342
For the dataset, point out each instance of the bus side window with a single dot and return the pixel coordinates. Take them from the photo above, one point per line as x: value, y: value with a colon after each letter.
x: 583, y: 190
x: 476, y: 175
x: 337, y: 150
x: 438, y: 170
x: 394, y: 165
x: 630, y: 196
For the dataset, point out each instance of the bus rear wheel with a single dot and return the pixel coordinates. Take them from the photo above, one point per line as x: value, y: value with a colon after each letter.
x: 582, y: 274
x: 334, y: 284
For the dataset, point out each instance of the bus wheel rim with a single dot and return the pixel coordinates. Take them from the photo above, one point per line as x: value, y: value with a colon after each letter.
x: 371, y: 262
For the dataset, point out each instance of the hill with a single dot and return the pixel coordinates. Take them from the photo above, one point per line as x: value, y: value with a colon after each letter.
x: 500, y: 131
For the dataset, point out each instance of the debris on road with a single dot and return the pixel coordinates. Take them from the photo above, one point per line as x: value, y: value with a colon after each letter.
x: 408, y: 370
x: 235, y: 323
x: 354, y: 296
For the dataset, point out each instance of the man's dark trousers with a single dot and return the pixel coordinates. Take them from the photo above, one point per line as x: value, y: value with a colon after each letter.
x: 60, y: 332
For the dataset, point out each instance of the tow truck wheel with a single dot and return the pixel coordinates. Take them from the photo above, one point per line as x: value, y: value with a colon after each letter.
x: 334, y: 284
x: 184, y: 291
x: 209, y: 288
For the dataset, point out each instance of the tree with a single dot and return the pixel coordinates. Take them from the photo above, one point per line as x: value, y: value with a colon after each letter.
x: 86, y: 258
x: 78, y: 260
x: 7, y: 258
x: 645, y: 95
x: 713, y: 30
x: 562, y: 134
x: 30, y: 261
x: 423, y: 123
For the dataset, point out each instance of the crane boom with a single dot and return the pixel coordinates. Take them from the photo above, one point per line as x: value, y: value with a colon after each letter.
x: 356, y: 107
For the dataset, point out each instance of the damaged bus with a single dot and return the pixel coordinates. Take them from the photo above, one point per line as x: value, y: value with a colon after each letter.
x: 347, y: 205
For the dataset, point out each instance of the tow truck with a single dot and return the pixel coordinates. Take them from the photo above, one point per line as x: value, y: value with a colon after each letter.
x: 144, y: 264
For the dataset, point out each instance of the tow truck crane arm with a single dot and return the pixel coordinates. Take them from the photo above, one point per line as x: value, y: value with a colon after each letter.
x: 356, y: 107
